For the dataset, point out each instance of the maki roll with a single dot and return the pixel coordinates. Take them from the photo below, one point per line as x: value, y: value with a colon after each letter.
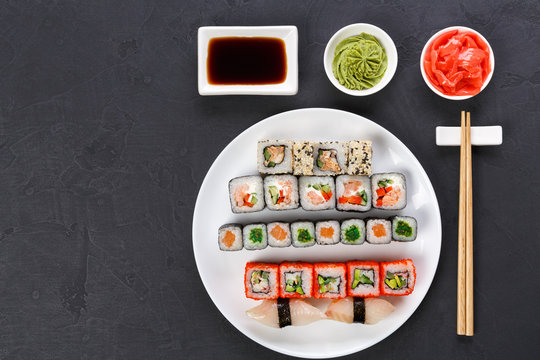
x: 317, y: 192
x: 330, y: 158
x: 303, y: 234
x: 295, y: 280
x: 404, y: 228
x: 360, y: 154
x: 329, y: 280
x: 353, y: 232
x: 230, y: 237
x: 398, y: 277
x: 303, y: 158
x: 353, y: 193
x: 261, y: 281
x: 255, y: 237
x: 389, y: 191
x: 279, y: 234
x: 379, y: 231
x: 246, y: 194
x: 363, y: 278
x: 281, y: 192
x: 327, y: 232
x: 275, y: 156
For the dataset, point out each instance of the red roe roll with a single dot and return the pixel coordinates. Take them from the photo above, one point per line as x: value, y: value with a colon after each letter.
x: 329, y: 280
x: 457, y: 63
x: 295, y: 279
x: 397, y: 277
x: 261, y: 281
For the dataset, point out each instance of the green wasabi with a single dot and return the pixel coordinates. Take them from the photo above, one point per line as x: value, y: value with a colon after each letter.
x: 359, y: 62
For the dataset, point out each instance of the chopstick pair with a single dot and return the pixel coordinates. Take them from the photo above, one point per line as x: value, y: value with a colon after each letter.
x: 465, y: 307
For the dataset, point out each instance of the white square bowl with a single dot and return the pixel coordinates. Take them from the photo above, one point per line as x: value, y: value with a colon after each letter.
x: 289, y: 34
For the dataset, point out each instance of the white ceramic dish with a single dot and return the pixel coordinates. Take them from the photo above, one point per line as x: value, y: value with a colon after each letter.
x: 222, y: 272
x: 289, y: 34
x: 428, y: 83
x: 356, y: 29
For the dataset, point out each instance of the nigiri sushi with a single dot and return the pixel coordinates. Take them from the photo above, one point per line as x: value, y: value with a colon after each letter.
x: 362, y: 310
x: 284, y: 312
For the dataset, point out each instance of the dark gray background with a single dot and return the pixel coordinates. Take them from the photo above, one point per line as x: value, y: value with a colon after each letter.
x: 104, y: 142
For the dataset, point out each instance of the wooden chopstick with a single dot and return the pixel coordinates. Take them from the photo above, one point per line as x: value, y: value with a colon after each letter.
x: 469, y: 289
x: 461, y: 280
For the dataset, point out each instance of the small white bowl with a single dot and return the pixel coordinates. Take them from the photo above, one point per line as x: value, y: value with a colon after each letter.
x: 357, y: 29
x: 461, y: 97
x: 289, y: 34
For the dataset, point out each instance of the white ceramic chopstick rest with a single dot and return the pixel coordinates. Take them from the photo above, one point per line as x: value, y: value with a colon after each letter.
x: 480, y: 135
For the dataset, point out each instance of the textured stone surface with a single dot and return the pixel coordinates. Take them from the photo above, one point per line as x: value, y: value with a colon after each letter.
x: 104, y: 141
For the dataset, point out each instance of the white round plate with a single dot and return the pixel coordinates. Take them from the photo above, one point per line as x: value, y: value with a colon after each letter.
x: 222, y: 272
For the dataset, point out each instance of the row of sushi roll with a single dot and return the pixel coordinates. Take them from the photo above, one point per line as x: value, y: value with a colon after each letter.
x: 232, y: 237
x: 351, y: 285
x: 314, y: 158
x: 387, y: 191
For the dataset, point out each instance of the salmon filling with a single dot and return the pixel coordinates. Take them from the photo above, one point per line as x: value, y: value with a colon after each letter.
x: 273, y: 155
x: 351, y: 195
x: 386, y: 194
x: 319, y: 193
x: 327, y: 161
x: 228, y: 239
x: 278, y: 233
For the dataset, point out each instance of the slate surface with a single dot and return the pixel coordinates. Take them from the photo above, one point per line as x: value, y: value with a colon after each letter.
x: 104, y: 142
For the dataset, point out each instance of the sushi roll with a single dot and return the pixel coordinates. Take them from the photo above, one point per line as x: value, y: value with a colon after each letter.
x: 261, y: 281
x: 379, y: 231
x: 230, y: 237
x: 285, y: 312
x: 281, y: 192
x: 303, y: 234
x: 329, y: 280
x: 255, y: 237
x: 353, y: 193
x: 360, y: 154
x: 330, y: 158
x: 246, y: 194
x: 404, y: 228
x: 275, y: 156
x: 389, y: 191
x: 295, y: 280
x: 363, y: 278
x: 359, y: 310
x: 303, y: 158
x: 353, y: 232
x: 317, y: 192
x: 398, y: 277
x: 279, y: 234
x: 327, y: 232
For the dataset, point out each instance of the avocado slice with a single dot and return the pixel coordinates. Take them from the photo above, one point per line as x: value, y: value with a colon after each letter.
x: 326, y: 188
x: 356, y: 280
x: 319, y: 161
x: 274, y: 193
x: 266, y: 154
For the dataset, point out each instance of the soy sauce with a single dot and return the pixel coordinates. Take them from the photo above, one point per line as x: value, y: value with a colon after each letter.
x: 246, y: 61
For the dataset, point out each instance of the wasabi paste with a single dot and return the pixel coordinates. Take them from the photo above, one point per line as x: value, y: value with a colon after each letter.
x: 359, y: 62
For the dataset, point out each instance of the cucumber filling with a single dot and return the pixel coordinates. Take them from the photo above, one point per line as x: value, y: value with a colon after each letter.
x: 364, y: 277
x: 293, y: 282
x: 396, y: 281
x: 328, y: 284
x: 259, y: 281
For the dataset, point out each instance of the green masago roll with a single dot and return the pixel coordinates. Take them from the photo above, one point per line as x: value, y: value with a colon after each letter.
x: 359, y: 62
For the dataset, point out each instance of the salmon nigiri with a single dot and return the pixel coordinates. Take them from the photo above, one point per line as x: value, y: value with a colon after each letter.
x: 363, y: 310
